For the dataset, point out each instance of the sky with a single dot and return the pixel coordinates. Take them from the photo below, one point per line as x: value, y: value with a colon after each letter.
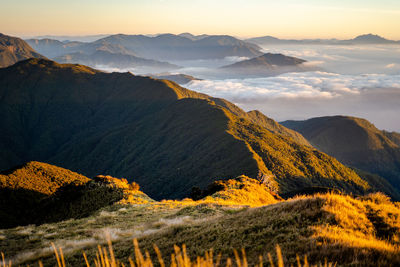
x: 242, y: 18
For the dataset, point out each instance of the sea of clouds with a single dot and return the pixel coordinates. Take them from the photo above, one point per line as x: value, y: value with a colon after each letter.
x: 361, y: 81
x: 355, y: 80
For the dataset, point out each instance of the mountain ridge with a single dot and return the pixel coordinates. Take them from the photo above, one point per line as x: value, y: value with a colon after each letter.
x: 150, y: 130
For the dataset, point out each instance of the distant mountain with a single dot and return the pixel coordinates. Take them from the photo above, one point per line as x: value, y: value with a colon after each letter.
x: 183, y: 47
x: 54, y: 48
x: 114, y: 60
x: 267, y: 64
x: 193, y: 37
x: 355, y: 142
x: 361, y: 39
x: 13, y: 49
x: 165, y: 137
x: 178, y: 78
x: 371, y: 39
x: 72, y: 38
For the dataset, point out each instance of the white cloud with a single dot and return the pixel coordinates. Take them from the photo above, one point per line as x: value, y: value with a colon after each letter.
x: 307, y: 84
x: 375, y: 97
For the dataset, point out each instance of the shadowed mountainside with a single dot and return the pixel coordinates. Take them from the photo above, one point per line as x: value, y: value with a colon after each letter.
x: 355, y: 142
x: 167, y: 137
x: 13, y: 49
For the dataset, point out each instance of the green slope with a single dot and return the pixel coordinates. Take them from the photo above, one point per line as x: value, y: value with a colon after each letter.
x: 163, y: 136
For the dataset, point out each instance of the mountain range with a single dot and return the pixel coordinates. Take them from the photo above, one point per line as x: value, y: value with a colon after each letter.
x: 165, y: 137
x: 161, y: 47
x: 13, y: 49
x: 355, y: 142
x: 365, y: 39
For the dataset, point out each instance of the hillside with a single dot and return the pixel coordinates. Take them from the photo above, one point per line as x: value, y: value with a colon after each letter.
x: 355, y: 142
x: 13, y: 49
x: 153, y: 131
x: 332, y: 228
x: 276, y: 128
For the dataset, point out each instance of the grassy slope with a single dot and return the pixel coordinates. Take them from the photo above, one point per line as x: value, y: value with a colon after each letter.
x: 151, y: 131
x: 355, y: 142
x: 274, y: 127
x: 337, y: 228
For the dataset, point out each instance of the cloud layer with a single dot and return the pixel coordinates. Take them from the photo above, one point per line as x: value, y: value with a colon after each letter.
x: 311, y: 94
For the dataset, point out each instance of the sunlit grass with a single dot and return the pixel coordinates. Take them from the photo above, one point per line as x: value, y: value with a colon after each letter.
x: 105, y: 257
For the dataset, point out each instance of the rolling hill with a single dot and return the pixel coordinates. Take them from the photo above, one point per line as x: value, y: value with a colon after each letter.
x: 165, y: 137
x: 13, y: 49
x: 355, y: 142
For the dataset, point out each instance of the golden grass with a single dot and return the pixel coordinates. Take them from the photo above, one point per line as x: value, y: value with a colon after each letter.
x: 105, y: 257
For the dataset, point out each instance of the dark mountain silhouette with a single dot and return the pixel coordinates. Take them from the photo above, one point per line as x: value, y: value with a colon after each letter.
x: 178, y: 78
x: 13, y: 49
x: 267, y: 64
x: 114, y: 60
x: 166, y: 137
x: 355, y: 142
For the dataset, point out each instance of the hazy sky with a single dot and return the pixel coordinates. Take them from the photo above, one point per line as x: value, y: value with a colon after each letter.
x: 245, y: 18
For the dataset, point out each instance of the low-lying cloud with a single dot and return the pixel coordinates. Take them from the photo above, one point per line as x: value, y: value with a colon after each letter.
x: 311, y: 94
